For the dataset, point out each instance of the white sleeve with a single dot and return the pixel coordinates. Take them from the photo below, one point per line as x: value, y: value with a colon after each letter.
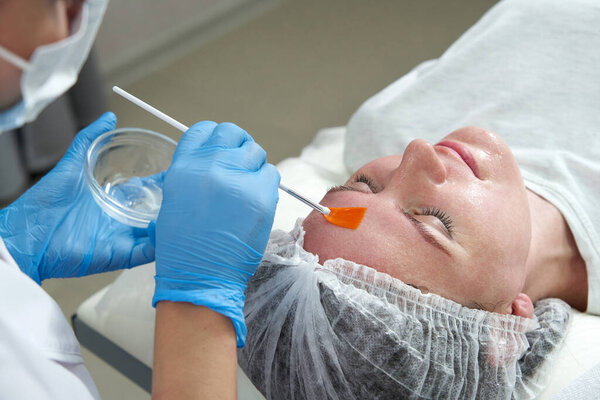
x: 39, y: 355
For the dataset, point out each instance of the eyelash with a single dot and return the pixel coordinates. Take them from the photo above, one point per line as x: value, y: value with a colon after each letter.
x: 441, y: 215
x: 367, y: 181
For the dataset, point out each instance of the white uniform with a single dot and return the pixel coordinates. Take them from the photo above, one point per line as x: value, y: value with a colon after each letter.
x: 39, y: 354
x: 529, y: 71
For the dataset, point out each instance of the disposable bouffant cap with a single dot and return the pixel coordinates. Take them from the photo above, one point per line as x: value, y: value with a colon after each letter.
x: 343, y: 330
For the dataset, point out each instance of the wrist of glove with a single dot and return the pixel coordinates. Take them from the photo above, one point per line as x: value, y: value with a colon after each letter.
x: 212, y: 283
x: 219, y: 296
x: 219, y: 199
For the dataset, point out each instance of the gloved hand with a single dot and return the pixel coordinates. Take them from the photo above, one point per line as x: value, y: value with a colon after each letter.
x: 219, y: 199
x: 56, y: 229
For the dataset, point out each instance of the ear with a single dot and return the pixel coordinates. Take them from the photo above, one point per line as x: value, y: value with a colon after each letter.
x: 522, y: 306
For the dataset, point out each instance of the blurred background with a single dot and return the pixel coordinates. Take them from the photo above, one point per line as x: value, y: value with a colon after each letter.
x: 281, y: 69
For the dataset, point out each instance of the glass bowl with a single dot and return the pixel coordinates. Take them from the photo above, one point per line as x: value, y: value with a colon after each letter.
x: 124, y: 171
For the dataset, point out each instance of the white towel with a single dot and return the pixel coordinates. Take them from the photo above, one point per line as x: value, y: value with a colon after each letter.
x: 529, y: 70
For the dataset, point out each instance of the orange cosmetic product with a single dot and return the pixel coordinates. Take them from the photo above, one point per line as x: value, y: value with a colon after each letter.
x: 346, y: 217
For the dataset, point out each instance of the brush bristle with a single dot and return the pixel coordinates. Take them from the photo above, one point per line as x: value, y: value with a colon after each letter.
x: 346, y: 217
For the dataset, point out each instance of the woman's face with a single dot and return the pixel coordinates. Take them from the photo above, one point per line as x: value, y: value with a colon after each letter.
x: 452, y: 219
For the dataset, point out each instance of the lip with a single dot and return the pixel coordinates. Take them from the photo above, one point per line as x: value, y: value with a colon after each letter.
x: 463, y: 152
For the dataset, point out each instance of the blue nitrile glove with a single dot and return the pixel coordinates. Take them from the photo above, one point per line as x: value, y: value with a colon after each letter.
x: 219, y: 199
x: 56, y: 229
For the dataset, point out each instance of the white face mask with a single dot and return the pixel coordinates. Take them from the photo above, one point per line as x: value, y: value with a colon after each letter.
x: 53, y: 68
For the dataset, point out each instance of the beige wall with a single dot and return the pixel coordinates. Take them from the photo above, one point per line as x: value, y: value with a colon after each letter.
x: 143, y: 31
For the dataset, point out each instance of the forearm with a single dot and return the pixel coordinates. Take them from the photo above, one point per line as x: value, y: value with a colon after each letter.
x: 194, y: 353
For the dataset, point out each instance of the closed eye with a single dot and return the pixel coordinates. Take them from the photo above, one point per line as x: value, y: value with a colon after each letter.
x: 362, y: 178
x: 359, y: 178
x: 442, y: 216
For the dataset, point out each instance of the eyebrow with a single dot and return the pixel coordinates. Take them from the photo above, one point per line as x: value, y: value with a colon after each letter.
x: 419, y: 226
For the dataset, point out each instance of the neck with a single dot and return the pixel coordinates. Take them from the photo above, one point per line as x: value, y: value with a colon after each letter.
x: 554, y: 266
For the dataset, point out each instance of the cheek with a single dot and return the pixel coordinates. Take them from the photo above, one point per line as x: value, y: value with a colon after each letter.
x: 363, y: 246
x: 501, y: 222
x: 328, y: 241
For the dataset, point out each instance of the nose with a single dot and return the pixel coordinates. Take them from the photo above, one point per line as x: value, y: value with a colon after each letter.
x: 421, y: 162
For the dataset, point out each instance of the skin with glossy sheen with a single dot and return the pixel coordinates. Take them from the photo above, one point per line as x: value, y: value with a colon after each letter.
x: 474, y: 248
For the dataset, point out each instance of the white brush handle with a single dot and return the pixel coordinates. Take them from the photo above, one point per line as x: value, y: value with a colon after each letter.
x: 157, y: 113
x: 298, y: 196
x: 178, y: 125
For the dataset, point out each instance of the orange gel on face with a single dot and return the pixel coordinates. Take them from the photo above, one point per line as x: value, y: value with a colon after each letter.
x: 346, y: 217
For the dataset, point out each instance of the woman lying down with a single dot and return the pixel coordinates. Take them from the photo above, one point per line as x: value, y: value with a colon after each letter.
x: 459, y: 281
x: 431, y: 297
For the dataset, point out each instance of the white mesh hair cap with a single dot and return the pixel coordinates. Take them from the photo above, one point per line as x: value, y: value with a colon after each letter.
x: 345, y: 331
